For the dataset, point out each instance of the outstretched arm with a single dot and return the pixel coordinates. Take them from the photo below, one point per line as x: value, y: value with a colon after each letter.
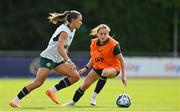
x: 122, y: 62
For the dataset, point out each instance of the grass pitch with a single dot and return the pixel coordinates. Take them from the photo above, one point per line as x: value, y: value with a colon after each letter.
x: 146, y: 95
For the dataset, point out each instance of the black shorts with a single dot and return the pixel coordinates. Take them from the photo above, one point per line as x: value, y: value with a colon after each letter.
x: 48, y: 63
x: 99, y: 72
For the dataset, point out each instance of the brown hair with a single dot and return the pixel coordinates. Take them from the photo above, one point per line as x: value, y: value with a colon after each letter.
x: 95, y: 30
x: 67, y: 16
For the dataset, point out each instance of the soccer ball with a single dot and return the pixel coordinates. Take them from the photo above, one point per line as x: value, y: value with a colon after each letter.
x: 123, y: 100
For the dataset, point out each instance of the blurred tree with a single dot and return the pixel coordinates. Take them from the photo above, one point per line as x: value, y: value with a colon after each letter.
x: 139, y: 25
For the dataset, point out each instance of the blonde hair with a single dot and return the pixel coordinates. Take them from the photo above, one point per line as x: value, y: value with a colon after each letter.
x: 95, y: 30
x: 67, y: 16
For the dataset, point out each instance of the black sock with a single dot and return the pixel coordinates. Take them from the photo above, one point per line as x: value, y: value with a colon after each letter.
x: 78, y: 94
x: 100, y: 84
x: 22, y: 93
x: 62, y: 84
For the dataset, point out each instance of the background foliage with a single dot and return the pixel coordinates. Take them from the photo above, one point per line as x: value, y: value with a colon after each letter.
x: 139, y: 25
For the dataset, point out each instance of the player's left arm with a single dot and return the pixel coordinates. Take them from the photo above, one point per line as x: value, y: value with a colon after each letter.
x: 122, y: 62
x: 118, y: 53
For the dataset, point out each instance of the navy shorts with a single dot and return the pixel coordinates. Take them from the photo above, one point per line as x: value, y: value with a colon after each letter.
x: 99, y: 72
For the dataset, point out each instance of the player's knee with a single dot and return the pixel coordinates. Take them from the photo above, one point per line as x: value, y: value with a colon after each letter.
x: 76, y: 77
x: 105, y: 74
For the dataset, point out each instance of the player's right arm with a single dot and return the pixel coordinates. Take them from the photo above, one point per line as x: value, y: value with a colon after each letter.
x: 85, y: 68
x: 90, y: 64
x: 60, y: 47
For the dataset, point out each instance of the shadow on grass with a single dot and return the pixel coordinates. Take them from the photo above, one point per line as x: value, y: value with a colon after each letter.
x: 65, y: 107
x: 85, y: 106
x: 38, y: 108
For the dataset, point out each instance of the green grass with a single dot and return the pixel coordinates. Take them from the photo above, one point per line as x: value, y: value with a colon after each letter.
x: 146, y: 94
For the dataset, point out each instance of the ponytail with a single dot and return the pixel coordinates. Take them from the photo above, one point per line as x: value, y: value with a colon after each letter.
x: 55, y: 17
x: 67, y: 16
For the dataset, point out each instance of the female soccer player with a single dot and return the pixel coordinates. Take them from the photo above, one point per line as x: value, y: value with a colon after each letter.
x: 55, y: 57
x: 106, y: 61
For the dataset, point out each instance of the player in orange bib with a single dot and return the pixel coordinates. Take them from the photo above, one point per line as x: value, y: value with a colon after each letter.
x: 106, y: 61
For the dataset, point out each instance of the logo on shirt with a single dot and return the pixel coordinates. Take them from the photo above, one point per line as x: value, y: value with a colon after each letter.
x: 99, y: 59
x: 48, y: 64
x: 66, y: 46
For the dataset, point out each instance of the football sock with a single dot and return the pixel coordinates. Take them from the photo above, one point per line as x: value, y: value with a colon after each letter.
x: 94, y: 95
x: 78, y: 94
x: 53, y: 89
x: 62, y: 84
x: 16, y: 99
x: 100, y: 84
x: 22, y: 93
